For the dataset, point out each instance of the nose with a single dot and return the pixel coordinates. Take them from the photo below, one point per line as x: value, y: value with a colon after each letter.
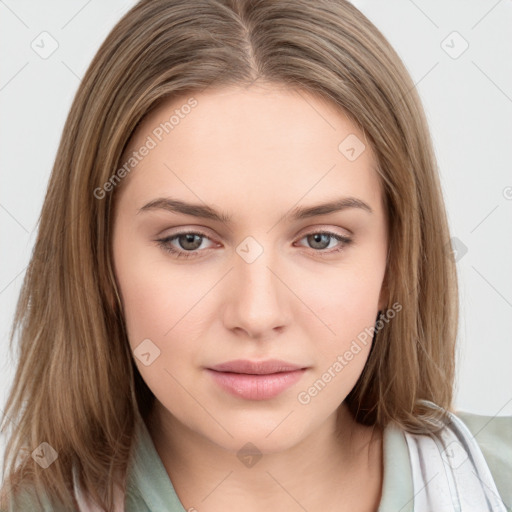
x: 257, y: 302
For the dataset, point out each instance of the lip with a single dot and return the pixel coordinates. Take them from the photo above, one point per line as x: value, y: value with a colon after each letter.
x: 256, y: 367
x: 256, y: 380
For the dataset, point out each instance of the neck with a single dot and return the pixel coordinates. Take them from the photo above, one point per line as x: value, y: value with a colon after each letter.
x: 339, y: 464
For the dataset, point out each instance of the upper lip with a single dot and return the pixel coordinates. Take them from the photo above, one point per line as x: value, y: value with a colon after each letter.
x: 256, y: 367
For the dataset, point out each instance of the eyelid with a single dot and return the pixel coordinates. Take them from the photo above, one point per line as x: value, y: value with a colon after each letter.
x: 327, y: 228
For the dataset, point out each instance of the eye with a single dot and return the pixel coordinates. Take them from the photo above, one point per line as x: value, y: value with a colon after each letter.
x: 191, y: 241
x: 319, y: 240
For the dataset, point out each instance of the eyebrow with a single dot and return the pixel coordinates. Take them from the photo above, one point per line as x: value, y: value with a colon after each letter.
x: 298, y: 213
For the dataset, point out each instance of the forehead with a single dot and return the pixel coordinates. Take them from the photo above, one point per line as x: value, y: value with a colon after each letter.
x: 270, y: 140
x: 264, y: 112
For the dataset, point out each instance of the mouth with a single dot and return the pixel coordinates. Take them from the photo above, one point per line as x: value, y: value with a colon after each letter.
x: 256, y: 380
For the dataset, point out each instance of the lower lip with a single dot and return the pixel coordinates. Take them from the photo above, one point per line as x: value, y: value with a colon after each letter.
x: 256, y: 387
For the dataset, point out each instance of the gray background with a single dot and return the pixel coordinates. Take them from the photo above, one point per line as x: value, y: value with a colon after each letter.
x: 467, y: 96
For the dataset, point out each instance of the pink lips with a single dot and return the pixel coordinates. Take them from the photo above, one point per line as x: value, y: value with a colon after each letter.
x: 256, y: 380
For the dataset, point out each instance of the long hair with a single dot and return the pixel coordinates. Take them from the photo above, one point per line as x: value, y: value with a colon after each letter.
x: 76, y: 386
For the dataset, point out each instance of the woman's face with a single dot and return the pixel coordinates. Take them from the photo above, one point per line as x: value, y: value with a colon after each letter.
x: 237, y: 167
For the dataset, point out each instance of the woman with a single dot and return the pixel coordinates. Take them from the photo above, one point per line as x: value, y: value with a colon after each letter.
x: 240, y: 296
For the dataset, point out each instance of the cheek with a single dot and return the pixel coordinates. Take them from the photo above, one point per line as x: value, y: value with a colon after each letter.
x: 344, y: 300
x: 161, y: 322
x: 162, y: 303
x: 342, y: 334
x: 154, y: 294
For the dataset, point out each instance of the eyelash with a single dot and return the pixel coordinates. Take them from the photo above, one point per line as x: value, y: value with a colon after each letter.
x: 164, y: 243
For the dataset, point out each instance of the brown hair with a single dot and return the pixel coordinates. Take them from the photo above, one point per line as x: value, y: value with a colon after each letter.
x: 76, y: 386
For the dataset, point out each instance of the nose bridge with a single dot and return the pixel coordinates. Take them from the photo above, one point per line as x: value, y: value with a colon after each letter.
x: 257, y: 292
x: 253, y: 267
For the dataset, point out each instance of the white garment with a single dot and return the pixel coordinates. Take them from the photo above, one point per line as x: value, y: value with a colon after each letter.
x: 449, y: 471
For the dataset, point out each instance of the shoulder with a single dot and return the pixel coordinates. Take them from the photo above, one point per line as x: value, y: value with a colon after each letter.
x: 493, y: 435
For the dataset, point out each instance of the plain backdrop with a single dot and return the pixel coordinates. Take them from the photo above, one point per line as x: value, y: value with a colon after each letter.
x: 459, y: 54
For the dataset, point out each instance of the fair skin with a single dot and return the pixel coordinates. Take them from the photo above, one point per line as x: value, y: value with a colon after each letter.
x: 255, y: 154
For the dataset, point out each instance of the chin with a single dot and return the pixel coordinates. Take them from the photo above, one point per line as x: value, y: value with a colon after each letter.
x: 269, y: 436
